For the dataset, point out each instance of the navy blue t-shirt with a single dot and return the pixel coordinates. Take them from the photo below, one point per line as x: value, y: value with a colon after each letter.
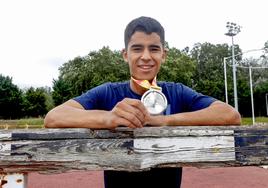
x: 180, y: 99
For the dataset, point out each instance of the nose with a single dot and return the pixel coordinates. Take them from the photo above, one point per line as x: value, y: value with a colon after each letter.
x: 146, y: 55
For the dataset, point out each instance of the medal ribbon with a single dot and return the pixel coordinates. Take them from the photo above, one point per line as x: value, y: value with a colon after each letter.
x: 146, y: 84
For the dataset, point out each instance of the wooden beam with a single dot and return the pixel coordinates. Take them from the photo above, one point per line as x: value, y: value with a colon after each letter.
x: 59, y: 150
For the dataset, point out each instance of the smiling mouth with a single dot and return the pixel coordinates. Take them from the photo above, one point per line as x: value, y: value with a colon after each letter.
x: 146, y: 67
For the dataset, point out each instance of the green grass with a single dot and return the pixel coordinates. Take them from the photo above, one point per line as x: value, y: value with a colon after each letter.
x: 36, y: 123
x: 248, y: 120
x: 22, y: 123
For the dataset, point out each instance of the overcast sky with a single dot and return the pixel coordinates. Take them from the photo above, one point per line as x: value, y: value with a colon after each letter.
x: 38, y: 36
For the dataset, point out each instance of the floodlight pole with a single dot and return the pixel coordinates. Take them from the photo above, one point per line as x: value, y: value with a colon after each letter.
x: 266, y: 99
x: 225, y: 80
x: 251, y: 95
x: 233, y: 30
x: 234, y: 75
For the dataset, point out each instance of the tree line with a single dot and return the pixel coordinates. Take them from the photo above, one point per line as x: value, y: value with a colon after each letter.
x: 200, y: 67
x: 16, y: 103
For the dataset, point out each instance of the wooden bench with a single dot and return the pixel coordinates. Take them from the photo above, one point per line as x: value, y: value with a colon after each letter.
x: 61, y: 150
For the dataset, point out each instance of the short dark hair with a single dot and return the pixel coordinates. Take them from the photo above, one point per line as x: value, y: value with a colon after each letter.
x: 145, y: 24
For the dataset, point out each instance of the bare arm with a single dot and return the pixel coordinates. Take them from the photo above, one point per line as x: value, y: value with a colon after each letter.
x: 129, y: 112
x: 132, y: 113
x: 218, y: 113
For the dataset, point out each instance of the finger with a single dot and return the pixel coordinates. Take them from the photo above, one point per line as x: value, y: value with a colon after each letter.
x: 126, y: 107
x: 138, y: 104
x: 124, y: 122
x: 130, y: 117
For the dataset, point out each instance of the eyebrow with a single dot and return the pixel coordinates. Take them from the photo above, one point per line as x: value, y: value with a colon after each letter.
x: 136, y: 46
x: 155, y: 46
x: 140, y: 45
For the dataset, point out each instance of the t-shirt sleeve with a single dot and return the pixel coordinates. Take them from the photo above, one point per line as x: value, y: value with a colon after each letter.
x: 90, y: 99
x: 193, y: 100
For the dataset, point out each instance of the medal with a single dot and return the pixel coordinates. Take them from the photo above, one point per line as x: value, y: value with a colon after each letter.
x: 154, y: 101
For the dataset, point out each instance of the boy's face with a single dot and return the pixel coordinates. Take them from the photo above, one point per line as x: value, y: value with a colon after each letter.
x: 144, y: 55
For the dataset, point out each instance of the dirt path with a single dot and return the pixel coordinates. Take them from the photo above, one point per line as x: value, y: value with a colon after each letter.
x: 238, y: 177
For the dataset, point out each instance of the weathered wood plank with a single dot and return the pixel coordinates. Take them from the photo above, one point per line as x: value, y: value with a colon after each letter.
x: 251, y: 146
x: 185, y: 150
x: 52, y: 134
x: 58, y: 150
x: 59, y: 134
x: 194, y: 130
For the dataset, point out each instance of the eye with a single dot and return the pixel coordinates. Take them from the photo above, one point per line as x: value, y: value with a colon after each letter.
x: 154, y: 49
x: 137, y: 49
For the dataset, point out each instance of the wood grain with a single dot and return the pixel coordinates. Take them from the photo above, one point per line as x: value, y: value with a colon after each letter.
x: 60, y: 150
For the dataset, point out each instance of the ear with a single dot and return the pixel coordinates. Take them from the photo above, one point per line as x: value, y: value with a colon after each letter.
x: 164, y: 56
x: 125, y: 55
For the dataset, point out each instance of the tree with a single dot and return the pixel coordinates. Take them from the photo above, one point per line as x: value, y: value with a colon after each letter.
x: 178, y: 67
x: 209, y: 75
x: 61, y: 91
x: 259, y: 82
x: 83, y: 73
x: 10, y: 100
x: 49, y: 100
x: 34, y: 102
x: 260, y: 93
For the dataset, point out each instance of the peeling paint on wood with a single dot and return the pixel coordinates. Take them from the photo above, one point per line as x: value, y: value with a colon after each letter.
x: 5, y: 148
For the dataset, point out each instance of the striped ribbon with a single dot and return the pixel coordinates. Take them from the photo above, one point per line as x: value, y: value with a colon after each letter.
x: 146, y: 84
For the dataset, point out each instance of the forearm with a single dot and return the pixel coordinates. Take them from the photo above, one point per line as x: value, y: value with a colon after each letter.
x: 71, y: 114
x: 200, y: 118
x: 75, y: 118
x: 217, y: 114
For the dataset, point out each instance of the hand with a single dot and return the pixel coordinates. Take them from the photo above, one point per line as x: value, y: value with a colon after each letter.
x: 128, y: 112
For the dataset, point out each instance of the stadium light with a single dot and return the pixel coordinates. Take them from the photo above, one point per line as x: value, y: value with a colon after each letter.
x: 233, y: 30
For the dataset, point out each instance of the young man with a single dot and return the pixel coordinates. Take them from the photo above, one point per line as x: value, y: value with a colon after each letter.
x: 115, y: 104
